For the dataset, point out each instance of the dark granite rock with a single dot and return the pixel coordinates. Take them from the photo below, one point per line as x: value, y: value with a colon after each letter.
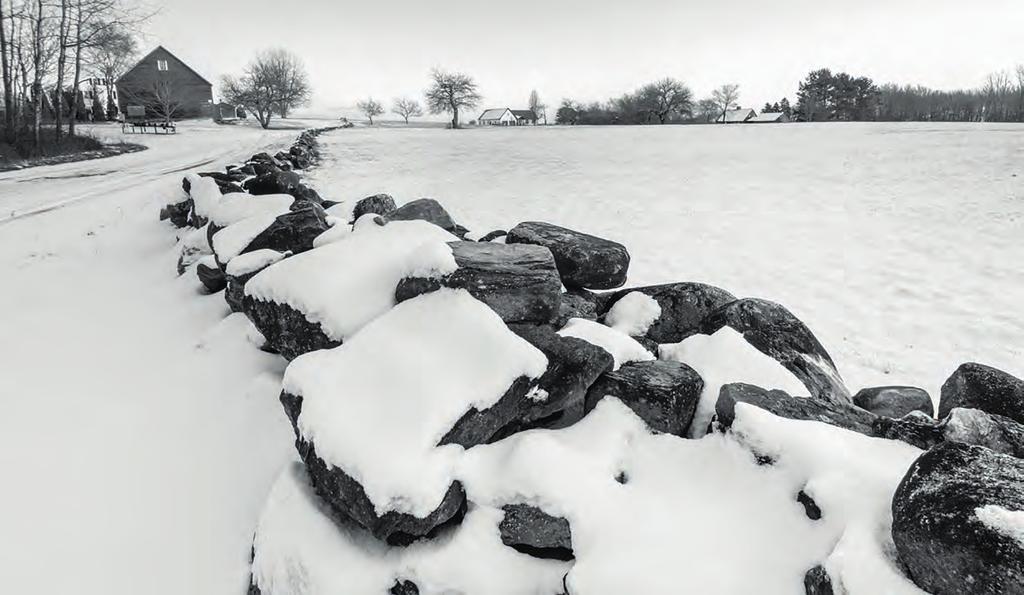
x: 234, y: 294
x: 810, y: 506
x: 286, y: 330
x: 995, y: 432
x: 584, y: 261
x: 212, y: 278
x: 381, y: 204
x: 519, y: 282
x: 530, y: 530
x: 290, y: 232
x: 976, y: 386
x: 404, y: 587
x: 493, y: 235
x: 782, y: 404
x: 573, y: 365
x: 424, y: 209
x: 916, y: 428
x: 578, y: 303
x: 817, y: 582
x: 939, y: 514
x: 684, y: 306
x: 662, y: 393
x: 345, y: 496
x: 478, y: 427
x: 777, y: 333
x: 274, y: 182
x: 178, y: 213
x: 894, y: 401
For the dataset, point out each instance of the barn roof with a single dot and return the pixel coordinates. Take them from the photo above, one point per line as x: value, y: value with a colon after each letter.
x: 167, y: 51
x: 737, y: 115
x: 766, y: 117
x: 524, y: 113
x: 493, y: 114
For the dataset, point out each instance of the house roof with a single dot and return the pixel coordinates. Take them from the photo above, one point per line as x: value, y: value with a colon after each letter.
x: 157, y: 49
x: 524, y: 113
x: 493, y: 114
x: 767, y: 117
x: 737, y: 115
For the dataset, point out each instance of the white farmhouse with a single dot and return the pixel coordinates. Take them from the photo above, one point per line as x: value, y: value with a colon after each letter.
x: 507, y: 117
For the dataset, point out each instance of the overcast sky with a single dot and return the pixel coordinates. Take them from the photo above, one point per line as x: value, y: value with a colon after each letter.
x: 596, y: 49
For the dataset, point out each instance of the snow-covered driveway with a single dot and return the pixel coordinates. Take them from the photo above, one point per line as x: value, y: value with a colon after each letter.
x: 135, y: 451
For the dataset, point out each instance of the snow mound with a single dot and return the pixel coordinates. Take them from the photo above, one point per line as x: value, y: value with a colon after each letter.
x: 204, y: 192
x: 244, y: 264
x: 624, y: 349
x: 347, y: 283
x: 235, y: 206
x: 300, y: 549
x: 338, y: 230
x: 377, y: 406
x: 703, y: 513
x: 230, y: 241
x: 723, y: 358
x: 633, y: 314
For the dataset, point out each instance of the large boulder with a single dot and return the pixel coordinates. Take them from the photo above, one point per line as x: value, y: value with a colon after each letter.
x: 684, y: 306
x: 290, y: 232
x: 958, y: 521
x: 894, y: 401
x: 346, y: 496
x: 244, y: 267
x: 210, y: 275
x: 776, y: 332
x: 274, y: 182
x: 782, y: 404
x: 378, y: 204
x: 573, y: 366
x: 662, y: 393
x: 424, y: 209
x: 530, y: 530
x: 578, y: 303
x: 519, y: 282
x: 977, y: 386
x: 584, y: 261
x: 455, y: 376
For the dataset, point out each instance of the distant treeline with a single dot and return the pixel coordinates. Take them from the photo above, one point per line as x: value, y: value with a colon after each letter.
x: 822, y: 96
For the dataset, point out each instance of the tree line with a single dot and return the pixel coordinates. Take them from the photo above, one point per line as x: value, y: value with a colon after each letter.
x: 46, y: 47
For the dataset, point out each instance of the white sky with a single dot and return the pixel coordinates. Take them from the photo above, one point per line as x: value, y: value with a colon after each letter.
x: 595, y: 50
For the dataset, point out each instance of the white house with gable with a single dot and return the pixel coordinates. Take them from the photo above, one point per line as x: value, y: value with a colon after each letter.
x: 497, y: 117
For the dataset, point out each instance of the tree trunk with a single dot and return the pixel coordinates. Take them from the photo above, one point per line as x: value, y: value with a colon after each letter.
x: 62, y: 57
x: 37, y: 79
x: 78, y: 70
x: 455, y: 117
x: 5, y: 70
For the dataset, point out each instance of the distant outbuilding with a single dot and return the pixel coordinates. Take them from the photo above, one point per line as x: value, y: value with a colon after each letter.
x: 736, y: 116
x: 504, y: 116
x: 769, y: 118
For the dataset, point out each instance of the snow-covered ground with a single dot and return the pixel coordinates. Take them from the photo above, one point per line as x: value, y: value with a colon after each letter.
x: 140, y: 431
x: 898, y: 244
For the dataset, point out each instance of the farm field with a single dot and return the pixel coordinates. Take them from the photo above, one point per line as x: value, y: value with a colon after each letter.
x: 898, y: 244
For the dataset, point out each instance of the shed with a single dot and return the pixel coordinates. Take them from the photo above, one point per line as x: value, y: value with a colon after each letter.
x: 769, y: 118
x: 736, y: 116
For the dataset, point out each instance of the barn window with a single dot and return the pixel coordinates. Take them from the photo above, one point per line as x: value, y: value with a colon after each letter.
x: 161, y: 65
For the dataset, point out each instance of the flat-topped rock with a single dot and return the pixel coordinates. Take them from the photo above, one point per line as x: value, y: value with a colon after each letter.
x: 894, y: 401
x: 519, y: 282
x: 664, y: 394
x: 683, y: 308
x: 424, y: 209
x: 584, y: 260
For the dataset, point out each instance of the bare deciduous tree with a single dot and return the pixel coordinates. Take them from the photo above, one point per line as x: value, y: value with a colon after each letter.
x: 159, y: 95
x: 371, y: 107
x: 275, y: 81
x: 725, y: 98
x: 538, y: 108
x: 407, y: 108
x: 451, y: 91
x: 665, y: 97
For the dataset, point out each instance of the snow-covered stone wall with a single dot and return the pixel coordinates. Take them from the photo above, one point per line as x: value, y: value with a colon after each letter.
x: 493, y: 413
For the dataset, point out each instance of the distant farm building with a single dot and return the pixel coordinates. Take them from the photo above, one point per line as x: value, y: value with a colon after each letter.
x: 225, y: 111
x: 162, y: 83
x: 507, y: 117
x: 736, y: 116
x: 769, y: 118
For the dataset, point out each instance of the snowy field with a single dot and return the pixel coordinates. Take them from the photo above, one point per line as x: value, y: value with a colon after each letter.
x: 140, y: 431
x: 898, y: 244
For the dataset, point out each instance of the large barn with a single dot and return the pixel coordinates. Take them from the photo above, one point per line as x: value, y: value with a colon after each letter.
x: 166, y: 87
x: 504, y: 116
